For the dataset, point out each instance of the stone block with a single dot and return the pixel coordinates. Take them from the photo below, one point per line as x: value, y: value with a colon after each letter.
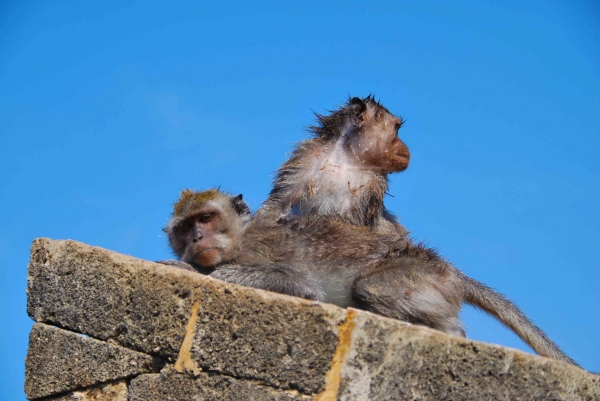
x: 59, y: 361
x: 139, y: 304
x: 227, y: 341
x: 116, y: 391
x: 391, y: 360
x: 204, y: 387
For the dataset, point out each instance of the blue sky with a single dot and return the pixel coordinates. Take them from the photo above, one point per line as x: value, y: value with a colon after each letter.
x: 108, y: 110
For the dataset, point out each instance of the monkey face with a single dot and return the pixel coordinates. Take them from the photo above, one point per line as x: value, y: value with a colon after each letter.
x: 205, y: 237
x: 377, y: 143
x: 376, y: 140
x: 371, y: 133
x: 206, y: 227
x: 208, y: 257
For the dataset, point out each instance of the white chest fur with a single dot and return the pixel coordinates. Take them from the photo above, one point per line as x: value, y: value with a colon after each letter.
x: 331, y: 183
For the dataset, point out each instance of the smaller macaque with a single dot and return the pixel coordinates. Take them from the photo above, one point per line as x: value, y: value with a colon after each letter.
x: 205, y: 232
x: 212, y: 232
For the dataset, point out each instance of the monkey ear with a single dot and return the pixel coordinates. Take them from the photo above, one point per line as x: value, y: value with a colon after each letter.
x: 239, y: 205
x: 358, y: 107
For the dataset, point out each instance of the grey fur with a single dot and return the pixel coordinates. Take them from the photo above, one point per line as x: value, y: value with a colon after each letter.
x: 281, y: 279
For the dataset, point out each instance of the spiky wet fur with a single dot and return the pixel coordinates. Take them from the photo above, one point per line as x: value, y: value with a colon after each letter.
x: 323, y: 177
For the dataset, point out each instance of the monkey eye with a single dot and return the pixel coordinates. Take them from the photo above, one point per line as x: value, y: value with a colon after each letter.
x: 205, y: 218
x: 397, y: 125
x: 183, y: 227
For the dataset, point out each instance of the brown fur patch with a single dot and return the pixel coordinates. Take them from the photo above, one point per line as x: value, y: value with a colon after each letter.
x: 191, y: 199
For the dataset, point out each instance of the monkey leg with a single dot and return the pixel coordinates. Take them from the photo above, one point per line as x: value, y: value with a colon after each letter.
x: 276, y: 278
x: 411, y: 290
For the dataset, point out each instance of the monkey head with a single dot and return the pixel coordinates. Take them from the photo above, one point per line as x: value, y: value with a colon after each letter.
x: 206, y: 227
x: 370, y: 132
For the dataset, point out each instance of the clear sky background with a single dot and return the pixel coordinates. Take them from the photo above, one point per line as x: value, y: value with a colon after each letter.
x: 108, y: 109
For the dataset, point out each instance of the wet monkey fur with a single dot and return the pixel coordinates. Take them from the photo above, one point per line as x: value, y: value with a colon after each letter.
x: 325, y: 224
x: 422, y: 288
x: 358, y: 144
x: 343, y: 170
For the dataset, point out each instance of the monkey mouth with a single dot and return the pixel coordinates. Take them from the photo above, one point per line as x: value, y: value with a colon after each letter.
x: 400, y: 162
x: 207, y: 257
x: 207, y: 249
x: 403, y: 152
x: 401, y: 159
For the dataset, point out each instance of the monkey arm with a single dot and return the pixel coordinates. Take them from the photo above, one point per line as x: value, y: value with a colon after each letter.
x: 276, y: 278
x: 390, y: 225
x: 183, y: 265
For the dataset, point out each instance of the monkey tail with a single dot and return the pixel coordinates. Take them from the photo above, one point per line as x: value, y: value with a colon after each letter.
x: 494, y: 303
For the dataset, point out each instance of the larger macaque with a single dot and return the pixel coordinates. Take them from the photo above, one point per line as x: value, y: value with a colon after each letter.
x: 325, y: 234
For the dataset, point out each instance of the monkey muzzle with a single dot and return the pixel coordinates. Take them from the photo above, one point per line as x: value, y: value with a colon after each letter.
x: 208, y: 256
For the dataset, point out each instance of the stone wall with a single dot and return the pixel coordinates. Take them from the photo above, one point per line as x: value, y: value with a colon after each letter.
x: 113, y: 327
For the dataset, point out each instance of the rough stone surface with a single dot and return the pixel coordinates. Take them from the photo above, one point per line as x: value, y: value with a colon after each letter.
x: 139, y: 304
x: 287, y: 342
x: 387, y: 361
x: 59, y: 361
x: 104, y: 392
x: 229, y: 342
x: 209, y: 387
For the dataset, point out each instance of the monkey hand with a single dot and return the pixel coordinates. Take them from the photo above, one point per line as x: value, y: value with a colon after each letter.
x: 292, y: 221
